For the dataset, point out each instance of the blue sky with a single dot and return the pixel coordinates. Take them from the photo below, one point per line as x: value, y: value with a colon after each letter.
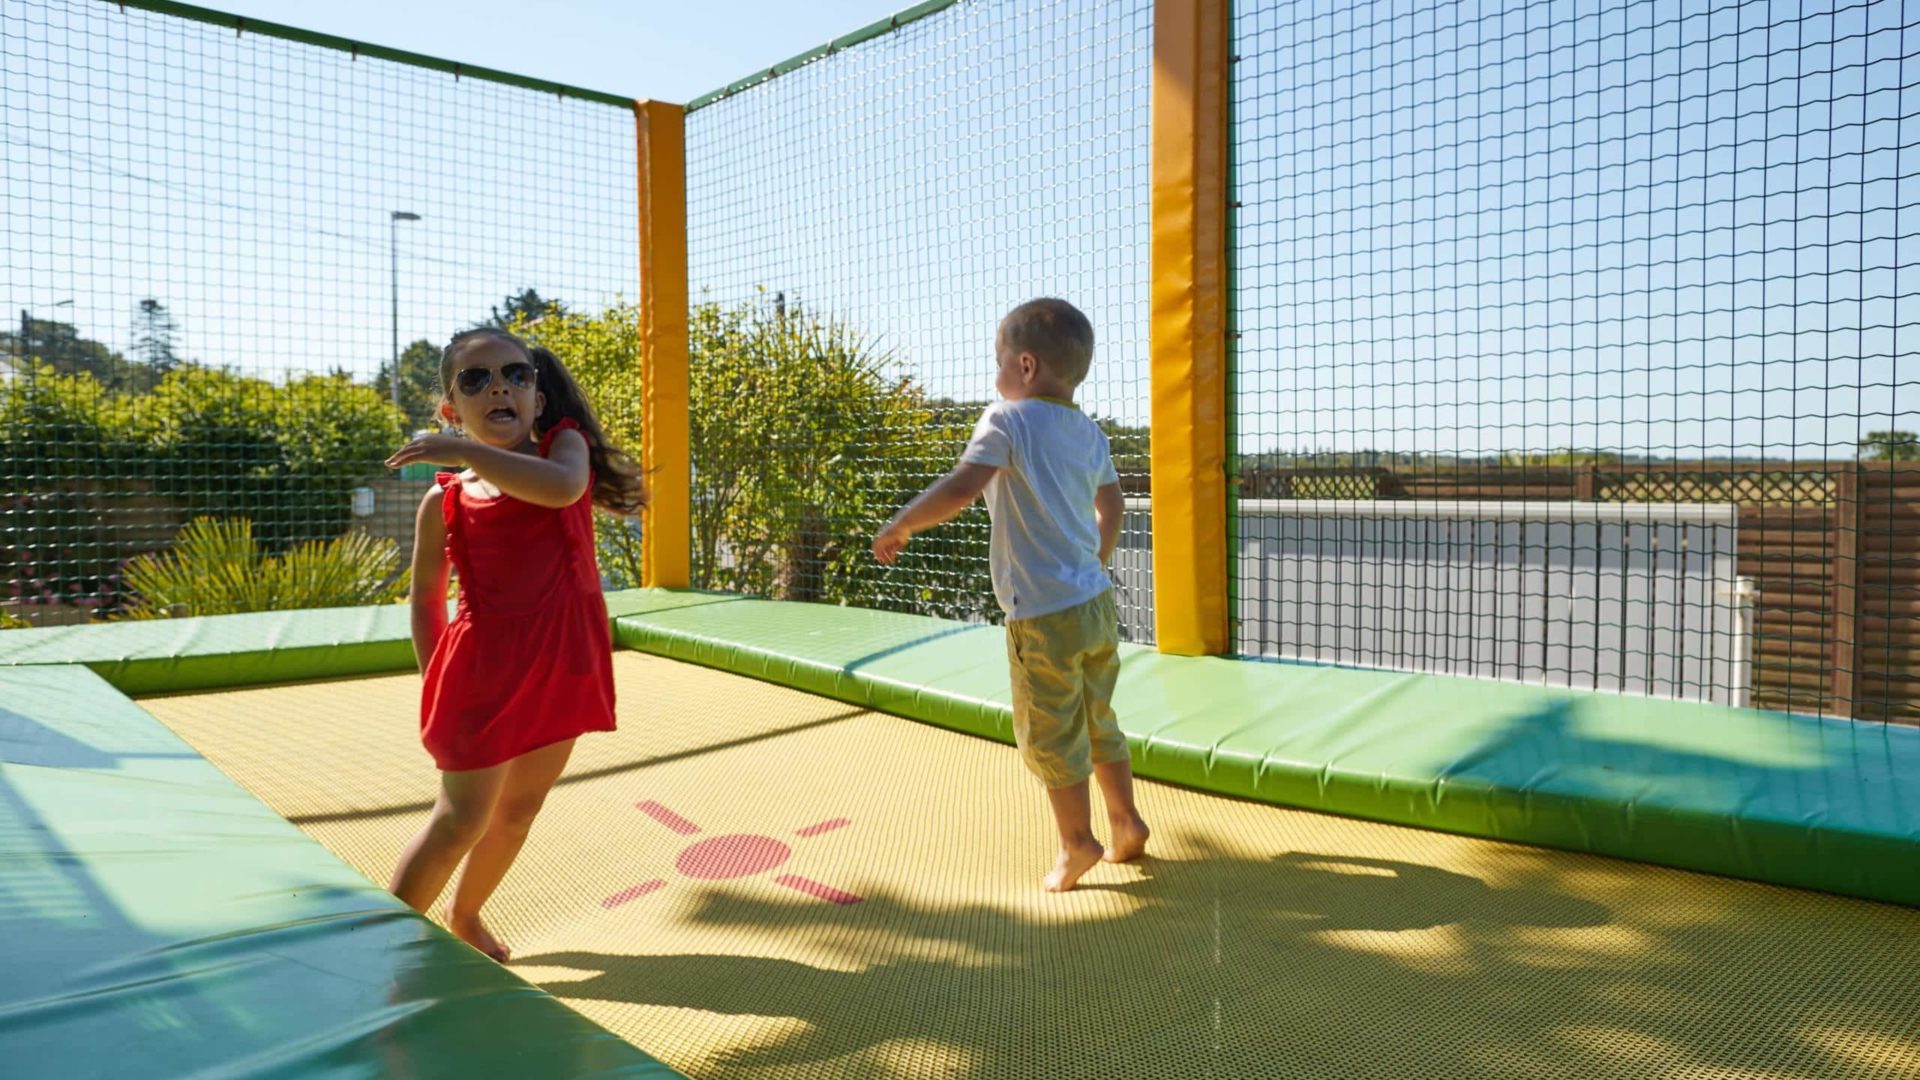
x: 1673, y: 227
x: 667, y: 51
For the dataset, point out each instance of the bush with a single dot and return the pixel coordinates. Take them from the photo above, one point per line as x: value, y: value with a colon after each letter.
x: 802, y: 447
x: 285, y: 456
x: 86, y: 475
x: 603, y: 354
x: 217, y: 568
x: 62, y: 439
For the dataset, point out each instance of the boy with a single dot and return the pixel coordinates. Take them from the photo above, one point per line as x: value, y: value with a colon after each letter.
x: 1055, y: 502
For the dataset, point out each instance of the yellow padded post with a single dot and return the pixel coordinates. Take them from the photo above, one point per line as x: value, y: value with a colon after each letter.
x: 666, y: 540
x: 1188, y: 336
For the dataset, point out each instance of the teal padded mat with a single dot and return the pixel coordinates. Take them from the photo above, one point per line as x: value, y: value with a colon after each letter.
x: 177, y: 655
x: 1788, y: 799
x: 1794, y: 800
x: 160, y: 921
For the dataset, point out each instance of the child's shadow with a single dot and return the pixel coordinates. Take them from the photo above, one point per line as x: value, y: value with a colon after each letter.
x: 995, y: 962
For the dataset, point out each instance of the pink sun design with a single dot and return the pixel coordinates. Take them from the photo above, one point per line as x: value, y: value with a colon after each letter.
x: 735, y: 855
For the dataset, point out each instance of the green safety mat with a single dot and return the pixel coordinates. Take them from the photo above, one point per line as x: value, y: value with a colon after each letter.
x: 1789, y: 799
x: 176, y: 655
x: 160, y: 921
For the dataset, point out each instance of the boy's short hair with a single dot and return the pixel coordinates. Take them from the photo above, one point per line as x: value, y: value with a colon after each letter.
x: 1056, y: 333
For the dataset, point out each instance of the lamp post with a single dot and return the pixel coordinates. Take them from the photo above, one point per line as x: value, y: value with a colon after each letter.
x: 393, y: 237
x: 26, y: 327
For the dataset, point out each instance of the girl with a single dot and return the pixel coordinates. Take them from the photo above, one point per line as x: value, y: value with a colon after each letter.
x: 526, y: 665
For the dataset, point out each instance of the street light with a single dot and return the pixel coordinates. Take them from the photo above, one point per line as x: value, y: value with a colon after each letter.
x: 393, y: 236
x: 26, y: 326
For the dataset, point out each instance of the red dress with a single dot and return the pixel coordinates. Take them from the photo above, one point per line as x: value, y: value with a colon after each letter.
x: 528, y: 658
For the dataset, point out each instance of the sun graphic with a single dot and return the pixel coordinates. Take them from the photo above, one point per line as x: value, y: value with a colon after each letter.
x: 735, y: 855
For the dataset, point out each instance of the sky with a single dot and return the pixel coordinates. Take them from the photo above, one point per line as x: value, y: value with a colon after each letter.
x: 1677, y: 228
x: 671, y: 51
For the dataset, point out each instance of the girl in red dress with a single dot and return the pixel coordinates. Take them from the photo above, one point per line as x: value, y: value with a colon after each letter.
x: 526, y: 665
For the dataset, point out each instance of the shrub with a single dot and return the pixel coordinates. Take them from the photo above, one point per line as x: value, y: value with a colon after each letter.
x: 285, y: 456
x: 802, y: 446
x: 216, y: 568
x: 90, y: 478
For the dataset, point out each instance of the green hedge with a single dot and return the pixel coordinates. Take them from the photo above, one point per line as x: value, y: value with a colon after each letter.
x: 76, y: 459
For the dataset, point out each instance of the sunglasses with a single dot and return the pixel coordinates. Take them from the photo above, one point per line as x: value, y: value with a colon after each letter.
x: 474, y: 380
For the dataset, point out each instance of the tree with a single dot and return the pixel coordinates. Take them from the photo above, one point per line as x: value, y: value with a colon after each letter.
x: 602, y: 352
x: 1129, y: 445
x: 286, y: 456
x: 60, y: 347
x: 1559, y: 458
x: 153, y: 336
x: 523, y: 308
x: 1890, y: 446
x: 420, y: 389
x: 803, y: 444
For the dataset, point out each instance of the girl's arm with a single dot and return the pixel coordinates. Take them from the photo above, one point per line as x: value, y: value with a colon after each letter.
x: 427, y: 594
x: 941, y: 502
x: 557, y: 480
x: 1109, y: 507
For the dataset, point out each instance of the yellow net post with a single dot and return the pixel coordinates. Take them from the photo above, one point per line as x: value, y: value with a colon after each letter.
x: 1188, y: 336
x: 665, y: 529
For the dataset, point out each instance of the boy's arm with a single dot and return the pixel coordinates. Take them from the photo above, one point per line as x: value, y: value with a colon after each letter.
x: 1109, y: 508
x: 427, y: 593
x: 941, y: 502
x: 554, y: 481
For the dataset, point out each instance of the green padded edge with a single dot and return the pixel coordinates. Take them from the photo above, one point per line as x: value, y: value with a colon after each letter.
x: 161, y: 921
x: 1772, y: 797
x: 178, y: 655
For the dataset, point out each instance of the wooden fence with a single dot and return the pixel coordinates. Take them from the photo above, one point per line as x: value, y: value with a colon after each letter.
x: 1833, y: 549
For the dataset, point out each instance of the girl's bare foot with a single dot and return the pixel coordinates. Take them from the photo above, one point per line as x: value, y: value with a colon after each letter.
x: 1129, y: 839
x: 1073, y: 862
x: 475, y: 933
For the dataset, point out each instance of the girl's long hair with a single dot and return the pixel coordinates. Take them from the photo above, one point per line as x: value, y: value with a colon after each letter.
x: 617, y: 483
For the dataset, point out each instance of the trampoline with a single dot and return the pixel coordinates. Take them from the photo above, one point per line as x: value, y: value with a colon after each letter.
x: 769, y: 877
x: 747, y: 880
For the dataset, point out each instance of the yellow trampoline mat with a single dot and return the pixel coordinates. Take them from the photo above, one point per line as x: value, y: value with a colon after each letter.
x: 748, y: 881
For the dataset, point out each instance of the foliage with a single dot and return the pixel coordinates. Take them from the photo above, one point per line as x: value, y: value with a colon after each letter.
x: 217, y: 568
x: 87, y: 473
x: 1890, y: 446
x: 61, y: 437
x: 153, y: 334
x: 1129, y: 445
x: 286, y: 456
x: 9, y: 621
x: 803, y: 446
x: 57, y: 426
x: 420, y: 390
x: 603, y: 354
x: 59, y: 346
x: 1559, y: 458
x: 521, y: 309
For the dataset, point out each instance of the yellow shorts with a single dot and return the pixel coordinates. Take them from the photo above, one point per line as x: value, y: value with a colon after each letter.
x: 1064, y: 669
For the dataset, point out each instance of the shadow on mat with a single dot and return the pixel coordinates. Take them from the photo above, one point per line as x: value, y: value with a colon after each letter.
x: 1221, y: 957
x: 1299, y: 965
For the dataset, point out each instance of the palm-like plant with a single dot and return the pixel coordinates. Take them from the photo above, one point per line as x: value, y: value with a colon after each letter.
x: 216, y: 568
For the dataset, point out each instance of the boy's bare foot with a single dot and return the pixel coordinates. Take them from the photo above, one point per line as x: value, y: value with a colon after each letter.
x: 475, y: 933
x: 1073, y: 862
x: 1129, y: 839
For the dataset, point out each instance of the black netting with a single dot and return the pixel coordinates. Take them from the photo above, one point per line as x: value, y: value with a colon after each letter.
x: 856, y: 228
x: 1624, y: 292
x: 205, y: 286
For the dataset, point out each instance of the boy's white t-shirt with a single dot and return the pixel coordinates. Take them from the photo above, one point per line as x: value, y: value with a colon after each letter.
x: 1045, y: 551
